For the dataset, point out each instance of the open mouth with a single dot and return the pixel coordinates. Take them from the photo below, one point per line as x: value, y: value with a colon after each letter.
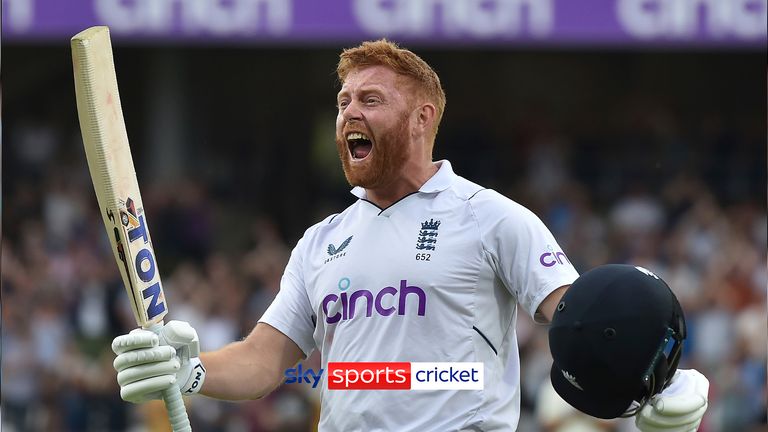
x: 359, y: 145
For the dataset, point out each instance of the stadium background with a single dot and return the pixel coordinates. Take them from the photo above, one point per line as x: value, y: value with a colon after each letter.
x: 645, y: 151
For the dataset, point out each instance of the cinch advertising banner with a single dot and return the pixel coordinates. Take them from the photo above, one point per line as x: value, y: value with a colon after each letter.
x: 709, y: 23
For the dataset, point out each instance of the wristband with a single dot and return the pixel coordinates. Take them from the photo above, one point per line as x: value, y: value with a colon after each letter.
x: 196, y: 378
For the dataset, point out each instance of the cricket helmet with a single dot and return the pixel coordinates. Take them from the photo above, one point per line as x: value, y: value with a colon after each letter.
x: 616, y: 337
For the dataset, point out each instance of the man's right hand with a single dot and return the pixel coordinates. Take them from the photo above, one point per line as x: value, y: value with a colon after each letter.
x: 148, y: 363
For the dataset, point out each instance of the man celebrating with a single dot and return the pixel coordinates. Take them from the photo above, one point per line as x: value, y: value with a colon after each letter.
x: 425, y: 266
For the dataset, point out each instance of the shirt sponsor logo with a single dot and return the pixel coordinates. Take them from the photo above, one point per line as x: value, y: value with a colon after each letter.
x: 387, y: 301
x: 551, y: 258
x: 337, y: 252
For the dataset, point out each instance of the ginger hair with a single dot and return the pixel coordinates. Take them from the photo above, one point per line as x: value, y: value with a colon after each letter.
x: 404, y: 62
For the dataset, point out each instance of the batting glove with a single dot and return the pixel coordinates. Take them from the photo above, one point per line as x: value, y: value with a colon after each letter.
x: 148, y: 363
x: 679, y: 407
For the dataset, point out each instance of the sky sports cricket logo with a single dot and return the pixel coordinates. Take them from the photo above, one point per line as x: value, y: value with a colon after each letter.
x: 392, y: 376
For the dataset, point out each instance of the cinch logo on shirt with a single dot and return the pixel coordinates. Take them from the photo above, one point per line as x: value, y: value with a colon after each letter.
x: 548, y: 259
x: 389, y: 300
x: 404, y: 376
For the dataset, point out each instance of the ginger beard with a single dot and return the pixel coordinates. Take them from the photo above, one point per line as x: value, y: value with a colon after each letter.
x: 388, y: 156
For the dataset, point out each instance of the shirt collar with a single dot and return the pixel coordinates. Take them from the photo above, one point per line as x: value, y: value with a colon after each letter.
x: 439, y: 182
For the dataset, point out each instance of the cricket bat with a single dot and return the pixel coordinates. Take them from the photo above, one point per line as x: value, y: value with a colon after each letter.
x: 117, y: 190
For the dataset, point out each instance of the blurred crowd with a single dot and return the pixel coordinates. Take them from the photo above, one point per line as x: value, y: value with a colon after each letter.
x: 702, y: 229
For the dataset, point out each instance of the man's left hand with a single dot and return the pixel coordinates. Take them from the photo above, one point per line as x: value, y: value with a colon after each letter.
x: 679, y: 407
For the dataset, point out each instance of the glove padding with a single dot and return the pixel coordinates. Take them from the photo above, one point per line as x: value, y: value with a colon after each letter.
x: 679, y: 407
x: 148, y: 363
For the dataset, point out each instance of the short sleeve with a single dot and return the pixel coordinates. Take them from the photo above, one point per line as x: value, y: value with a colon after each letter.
x: 290, y: 311
x: 520, y: 248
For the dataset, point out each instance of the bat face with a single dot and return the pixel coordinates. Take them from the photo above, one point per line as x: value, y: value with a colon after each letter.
x: 117, y: 190
x: 114, y: 178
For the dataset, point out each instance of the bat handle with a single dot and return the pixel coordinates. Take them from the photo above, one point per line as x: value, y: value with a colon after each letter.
x: 177, y: 412
x: 174, y: 403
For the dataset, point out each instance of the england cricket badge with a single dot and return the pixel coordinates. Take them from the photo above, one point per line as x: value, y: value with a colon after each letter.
x: 427, y: 239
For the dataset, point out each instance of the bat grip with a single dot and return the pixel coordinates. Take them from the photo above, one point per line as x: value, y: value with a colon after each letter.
x: 177, y: 412
x: 174, y: 403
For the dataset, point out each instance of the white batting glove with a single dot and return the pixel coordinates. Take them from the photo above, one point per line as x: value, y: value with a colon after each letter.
x: 679, y: 407
x: 148, y: 363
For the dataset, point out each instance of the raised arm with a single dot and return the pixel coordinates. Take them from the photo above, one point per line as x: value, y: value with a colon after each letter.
x: 148, y: 363
x: 251, y: 368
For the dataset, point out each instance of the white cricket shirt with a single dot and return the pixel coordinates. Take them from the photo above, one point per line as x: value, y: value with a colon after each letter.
x: 445, y: 267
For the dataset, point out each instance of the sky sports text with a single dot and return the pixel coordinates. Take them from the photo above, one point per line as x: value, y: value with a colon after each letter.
x: 392, y: 376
